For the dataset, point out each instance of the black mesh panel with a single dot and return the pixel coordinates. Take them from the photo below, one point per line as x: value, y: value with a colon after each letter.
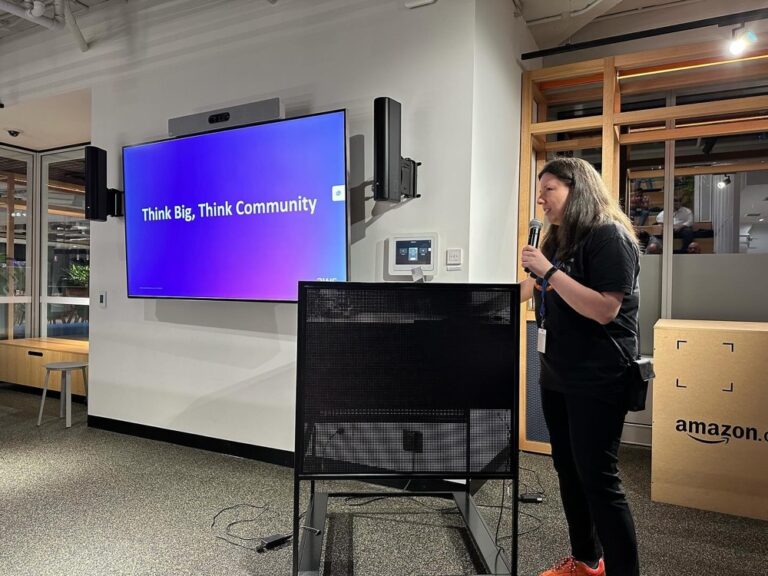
x: 406, y: 378
x: 535, y: 426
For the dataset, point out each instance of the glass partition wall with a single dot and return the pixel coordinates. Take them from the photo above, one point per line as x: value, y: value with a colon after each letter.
x: 16, y: 243
x: 681, y: 138
x: 683, y: 134
x: 713, y: 130
x: 65, y: 246
x: 642, y: 195
x: 720, y: 262
x: 44, y: 245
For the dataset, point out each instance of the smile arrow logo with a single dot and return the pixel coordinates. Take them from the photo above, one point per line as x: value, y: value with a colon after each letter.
x: 720, y: 441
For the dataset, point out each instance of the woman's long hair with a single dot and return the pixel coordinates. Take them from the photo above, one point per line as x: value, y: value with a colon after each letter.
x: 588, y: 205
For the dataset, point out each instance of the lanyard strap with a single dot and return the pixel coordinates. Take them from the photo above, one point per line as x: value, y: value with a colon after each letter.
x: 543, y: 306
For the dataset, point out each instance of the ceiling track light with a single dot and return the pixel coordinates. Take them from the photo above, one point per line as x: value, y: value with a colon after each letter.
x: 741, y: 38
x: 724, y: 182
x: 720, y: 21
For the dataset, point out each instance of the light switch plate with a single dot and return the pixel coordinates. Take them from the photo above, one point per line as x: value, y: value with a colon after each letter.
x: 453, y: 258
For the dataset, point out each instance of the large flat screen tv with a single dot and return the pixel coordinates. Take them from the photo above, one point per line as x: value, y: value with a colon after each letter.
x: 238, y: 214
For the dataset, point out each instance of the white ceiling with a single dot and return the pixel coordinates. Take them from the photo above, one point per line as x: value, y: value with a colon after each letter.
x: 63, y: 120
x: 53, y: 122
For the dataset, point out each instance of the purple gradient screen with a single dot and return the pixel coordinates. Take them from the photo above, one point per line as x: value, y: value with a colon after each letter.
x: 241, y: 214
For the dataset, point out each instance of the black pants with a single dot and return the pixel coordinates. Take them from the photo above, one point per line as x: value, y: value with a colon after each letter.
x: 686, y: 235
x: 585, y: 432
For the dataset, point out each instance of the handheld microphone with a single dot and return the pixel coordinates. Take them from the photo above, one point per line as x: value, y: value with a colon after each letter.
x: 534, y: 232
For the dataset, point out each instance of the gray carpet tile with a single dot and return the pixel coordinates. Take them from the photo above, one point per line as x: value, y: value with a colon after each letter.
x: 83, y: 501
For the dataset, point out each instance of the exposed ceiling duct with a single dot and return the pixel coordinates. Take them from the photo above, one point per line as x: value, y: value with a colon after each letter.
x: 34, y: 11
x: 583, y: 11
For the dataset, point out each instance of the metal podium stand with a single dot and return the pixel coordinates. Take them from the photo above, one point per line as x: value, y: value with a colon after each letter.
x: 386, y: 371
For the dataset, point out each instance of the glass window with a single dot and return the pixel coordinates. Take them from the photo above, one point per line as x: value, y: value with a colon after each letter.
x: 15, y: 264
x: 643, y: 201
x: 574, y: 98
x: 65, y: 247
x: 720, y: 261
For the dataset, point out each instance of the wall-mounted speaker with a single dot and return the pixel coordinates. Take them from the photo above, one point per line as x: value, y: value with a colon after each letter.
x: 96, y: 194
x: 386, y: 149
x: 100, y: 201
x: 394, y: 177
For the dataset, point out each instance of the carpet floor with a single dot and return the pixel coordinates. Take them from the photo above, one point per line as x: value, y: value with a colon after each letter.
x: 83, y: 501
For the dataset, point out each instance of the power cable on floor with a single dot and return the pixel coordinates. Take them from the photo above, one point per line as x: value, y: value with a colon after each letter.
x: 262, y: 543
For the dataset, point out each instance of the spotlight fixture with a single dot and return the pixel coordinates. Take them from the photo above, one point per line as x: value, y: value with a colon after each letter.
x: 740, y: 39
x: 724, y: 182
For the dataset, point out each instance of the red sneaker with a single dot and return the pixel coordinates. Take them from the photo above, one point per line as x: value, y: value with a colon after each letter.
x: 572, y: 567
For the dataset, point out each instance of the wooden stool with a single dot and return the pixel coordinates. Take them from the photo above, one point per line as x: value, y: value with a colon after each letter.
x: 66, y: 387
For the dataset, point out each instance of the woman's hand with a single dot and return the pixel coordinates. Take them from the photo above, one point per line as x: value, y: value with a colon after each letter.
x: 532, y: 259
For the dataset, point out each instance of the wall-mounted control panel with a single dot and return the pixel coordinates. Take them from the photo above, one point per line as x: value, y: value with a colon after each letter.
x: 409, y: 251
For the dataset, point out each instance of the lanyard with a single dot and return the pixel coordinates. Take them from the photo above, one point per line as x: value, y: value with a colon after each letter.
x: 543, y: 306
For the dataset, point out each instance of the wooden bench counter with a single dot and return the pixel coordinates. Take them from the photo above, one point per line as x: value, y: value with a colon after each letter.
x: 22, y: 361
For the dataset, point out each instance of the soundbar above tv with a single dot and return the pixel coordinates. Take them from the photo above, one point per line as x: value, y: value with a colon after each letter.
x: 238, y: 214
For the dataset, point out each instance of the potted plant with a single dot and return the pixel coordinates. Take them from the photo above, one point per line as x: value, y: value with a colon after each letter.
x: 12, y: 270
x: 75, y: 281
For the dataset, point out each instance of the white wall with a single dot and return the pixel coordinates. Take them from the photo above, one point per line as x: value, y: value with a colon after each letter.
x: 500, y: 39
x: 227, y: 370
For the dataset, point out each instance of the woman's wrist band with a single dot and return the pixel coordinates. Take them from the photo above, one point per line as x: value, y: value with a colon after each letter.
x: 549, y: 273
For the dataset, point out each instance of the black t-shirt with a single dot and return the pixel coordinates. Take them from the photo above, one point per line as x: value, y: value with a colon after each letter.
x: 580, y: 356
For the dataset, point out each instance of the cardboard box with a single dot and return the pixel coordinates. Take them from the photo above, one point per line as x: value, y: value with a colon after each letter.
x: 710, y: 416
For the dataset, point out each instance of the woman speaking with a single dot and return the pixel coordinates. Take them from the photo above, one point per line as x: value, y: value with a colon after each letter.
x: 586, y: 297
